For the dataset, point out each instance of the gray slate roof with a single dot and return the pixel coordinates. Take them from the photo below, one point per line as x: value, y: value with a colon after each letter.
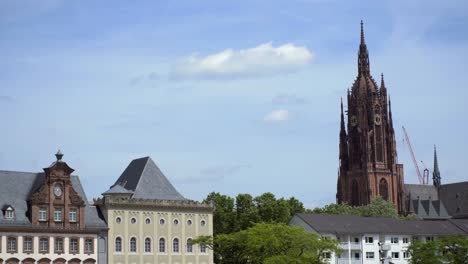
x: 143, y: 177
x: 349, y: 224
x: 16, y: 188
x: 117, y: 189
x: 421, y: 192
x: 455, y: 198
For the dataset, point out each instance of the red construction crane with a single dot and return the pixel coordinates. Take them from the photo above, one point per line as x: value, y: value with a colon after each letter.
x: 420, y: 176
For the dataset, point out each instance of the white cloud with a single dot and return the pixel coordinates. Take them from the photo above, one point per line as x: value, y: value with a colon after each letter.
x: 258, y: 61
x: 279, y: 115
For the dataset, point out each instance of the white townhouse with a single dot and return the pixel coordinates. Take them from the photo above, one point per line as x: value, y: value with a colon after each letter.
x: 376, y: 240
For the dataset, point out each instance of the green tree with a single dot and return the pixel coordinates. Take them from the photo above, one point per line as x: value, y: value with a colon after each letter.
x: 270, y: 243
x: 223, y: 216
x: 271, y: 210
x: 424, y: 252
x: 295, y: 206
x: 377, y: 207
x: 454, y: 249
x: 246, y: 212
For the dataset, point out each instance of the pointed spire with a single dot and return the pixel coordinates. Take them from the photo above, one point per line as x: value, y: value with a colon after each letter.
x: 382, y: 82
x: 436, y: 172
x: 363, y: 58
x: 342, y: 118
x: 362, y: 33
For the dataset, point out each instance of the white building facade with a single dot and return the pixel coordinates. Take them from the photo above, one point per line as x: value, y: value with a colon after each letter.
x: 373, y: 240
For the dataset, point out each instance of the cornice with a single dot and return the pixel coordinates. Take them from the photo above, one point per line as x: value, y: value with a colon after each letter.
x: 119, y: 202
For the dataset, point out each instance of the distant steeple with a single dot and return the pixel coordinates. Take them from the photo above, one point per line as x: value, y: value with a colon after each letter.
x: 363, y: 58
x: 436, y: 173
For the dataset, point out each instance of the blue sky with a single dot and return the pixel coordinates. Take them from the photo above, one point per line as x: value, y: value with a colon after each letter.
x: 228, y: 96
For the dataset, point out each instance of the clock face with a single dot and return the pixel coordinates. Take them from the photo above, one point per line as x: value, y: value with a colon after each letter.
x: 353, y: 120
x: 58, y: 190
x: 377, y: 119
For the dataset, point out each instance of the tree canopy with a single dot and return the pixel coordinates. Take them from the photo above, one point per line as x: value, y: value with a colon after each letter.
x: 449, y: 249
x: 270, y: 243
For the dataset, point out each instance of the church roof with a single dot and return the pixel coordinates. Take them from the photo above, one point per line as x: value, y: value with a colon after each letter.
x: 16, y: 188
x: 455, y: 198
x: 143, y: 177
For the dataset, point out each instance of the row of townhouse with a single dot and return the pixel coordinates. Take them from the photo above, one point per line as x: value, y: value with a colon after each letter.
x: 46, y: 218
x: 376, y: 240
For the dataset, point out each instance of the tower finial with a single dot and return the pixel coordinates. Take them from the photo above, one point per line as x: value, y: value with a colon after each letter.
x: 59, y: 155
x: 363, y: 57
x: 362, y: 33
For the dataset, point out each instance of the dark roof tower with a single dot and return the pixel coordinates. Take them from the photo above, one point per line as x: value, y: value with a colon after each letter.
x: 436, y: 173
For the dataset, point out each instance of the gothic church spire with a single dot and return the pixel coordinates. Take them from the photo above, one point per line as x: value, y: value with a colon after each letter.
x: 363, y: 58
x: 436, y: 172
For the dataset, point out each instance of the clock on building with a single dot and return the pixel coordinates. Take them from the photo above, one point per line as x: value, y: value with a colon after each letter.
x: 58, y: 190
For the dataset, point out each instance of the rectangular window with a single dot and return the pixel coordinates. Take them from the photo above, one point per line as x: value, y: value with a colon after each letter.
x: 327, y: 255
x: 10, y: 214
x: 58, y: 245
x: 429, y: 238
x: 356, y: 240
x: 405, y: 240
x: 406, y: 255
x: 394, y: 240
x: 356, y: 255
x: 58, y: 215
x: 44, y: 245
x: 370, y: 240
x: 74, y: 245
x: 42, y: 214
x: 370, y: 255
x: 72, y: 215
x: 395, y: 255
x: 203, y: 249
x: 27, y: 244
x: 89, y: 249
x: 11, y: 245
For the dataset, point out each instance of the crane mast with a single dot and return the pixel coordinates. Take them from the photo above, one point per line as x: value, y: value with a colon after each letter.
x: 420, y: 176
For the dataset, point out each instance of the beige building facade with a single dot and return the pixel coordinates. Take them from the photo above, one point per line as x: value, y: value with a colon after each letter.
x: 150, y: 222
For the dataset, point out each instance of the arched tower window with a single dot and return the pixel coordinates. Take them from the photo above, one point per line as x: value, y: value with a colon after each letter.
x: 378, y: 134
x: 354, y: 193
x: 383, y: 189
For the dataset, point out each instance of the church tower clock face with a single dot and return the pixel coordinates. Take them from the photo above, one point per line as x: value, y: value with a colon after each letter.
x: 377, y: 119
x: 58, y: 190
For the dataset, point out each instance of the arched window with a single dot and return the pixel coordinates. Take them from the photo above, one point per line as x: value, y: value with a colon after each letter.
x: 147, y: 244
x: 354, y: 193
x: 189, y: 246
x: 133, y: 244
x: 118, y: 244
x: 162, y: 245
x: 175, y: 245
x: 383, y: 189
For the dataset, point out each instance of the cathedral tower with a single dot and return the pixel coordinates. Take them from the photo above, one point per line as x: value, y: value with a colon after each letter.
x: 367, y: 148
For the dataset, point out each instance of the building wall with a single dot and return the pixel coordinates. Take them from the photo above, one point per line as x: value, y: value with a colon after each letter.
x: 21, y: 255
x: 155, y: 230
x: 350, y: 247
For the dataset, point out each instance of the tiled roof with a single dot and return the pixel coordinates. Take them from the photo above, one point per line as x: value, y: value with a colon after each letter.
x: 16, y: 188
x: 455, y: 198
x: 143, y: 177
x: 349, y: 224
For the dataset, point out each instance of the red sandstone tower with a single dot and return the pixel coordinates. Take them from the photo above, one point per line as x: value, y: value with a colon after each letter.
x: 368, y: 157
